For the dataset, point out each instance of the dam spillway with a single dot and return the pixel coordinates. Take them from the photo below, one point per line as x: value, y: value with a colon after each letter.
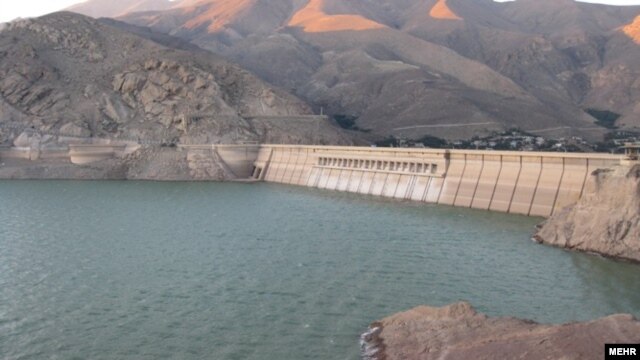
x: 528, y: 183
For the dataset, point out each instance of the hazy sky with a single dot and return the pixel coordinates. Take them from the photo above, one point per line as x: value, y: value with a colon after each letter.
x: 11, y: 9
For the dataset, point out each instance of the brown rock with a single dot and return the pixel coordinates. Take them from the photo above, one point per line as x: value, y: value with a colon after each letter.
x: 115, y: 109
x: 605, y: 221
x: 457, y: 331
x: 152, y: 93
x: 160, y: 78
x: 151, y: 64
x: 127, y: 83
x: 71, y: 129
x: 200, y: 83
x: 23, y: 140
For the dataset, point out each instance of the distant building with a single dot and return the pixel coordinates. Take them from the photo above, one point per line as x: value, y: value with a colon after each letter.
x: 632, y: 151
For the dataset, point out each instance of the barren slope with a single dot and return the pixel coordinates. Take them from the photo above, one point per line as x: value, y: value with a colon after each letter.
x: 67, y: 73
x: 537, y: 65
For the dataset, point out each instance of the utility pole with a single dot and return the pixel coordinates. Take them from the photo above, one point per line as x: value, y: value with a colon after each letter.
x: 317, y: 132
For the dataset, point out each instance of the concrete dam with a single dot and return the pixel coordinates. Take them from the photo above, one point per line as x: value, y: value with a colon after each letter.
x: 528, y: 183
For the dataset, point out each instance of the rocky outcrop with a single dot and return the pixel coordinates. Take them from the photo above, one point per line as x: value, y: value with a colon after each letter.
x: 458, y: 332
x: 66, y: 72
x: 605, y: 221
x: 148, y: 163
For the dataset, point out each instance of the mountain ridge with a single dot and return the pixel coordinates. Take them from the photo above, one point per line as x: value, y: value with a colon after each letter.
x: 632, y: 30
x: 69, y: 73
x: 115, y: 8
x: 558, y: 59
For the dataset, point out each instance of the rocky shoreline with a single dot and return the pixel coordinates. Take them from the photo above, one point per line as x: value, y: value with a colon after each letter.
x: 148, y: 163
x: 606, y: 220
x: 458, y: 331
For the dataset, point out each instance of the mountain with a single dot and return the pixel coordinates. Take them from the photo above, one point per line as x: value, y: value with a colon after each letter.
x: 69, y: 74
x: 451, y: 68
x: 632, y: 30
x: 114, y: 8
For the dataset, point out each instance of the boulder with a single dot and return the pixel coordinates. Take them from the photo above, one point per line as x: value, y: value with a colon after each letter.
x: 24, y: 139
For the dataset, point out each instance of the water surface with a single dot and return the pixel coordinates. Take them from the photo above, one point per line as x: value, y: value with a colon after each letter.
x: 135, y: 270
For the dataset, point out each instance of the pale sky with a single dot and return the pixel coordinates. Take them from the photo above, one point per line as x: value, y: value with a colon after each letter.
x: 11, y: 9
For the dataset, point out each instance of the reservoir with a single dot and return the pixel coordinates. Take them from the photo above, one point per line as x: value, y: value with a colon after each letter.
x: 138, y: 270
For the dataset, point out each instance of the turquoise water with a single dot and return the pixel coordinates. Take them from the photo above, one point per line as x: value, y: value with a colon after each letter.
x: 134, y: 270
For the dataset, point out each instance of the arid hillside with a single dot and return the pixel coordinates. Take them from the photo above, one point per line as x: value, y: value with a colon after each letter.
x: 113, y: 8
x: 73, y: 75
x: 452, y: 68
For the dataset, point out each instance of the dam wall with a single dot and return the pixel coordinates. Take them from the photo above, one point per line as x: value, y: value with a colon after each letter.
x: 528, y: 183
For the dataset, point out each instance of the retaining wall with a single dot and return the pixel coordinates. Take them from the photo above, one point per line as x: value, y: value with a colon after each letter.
x: 76, y: 153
